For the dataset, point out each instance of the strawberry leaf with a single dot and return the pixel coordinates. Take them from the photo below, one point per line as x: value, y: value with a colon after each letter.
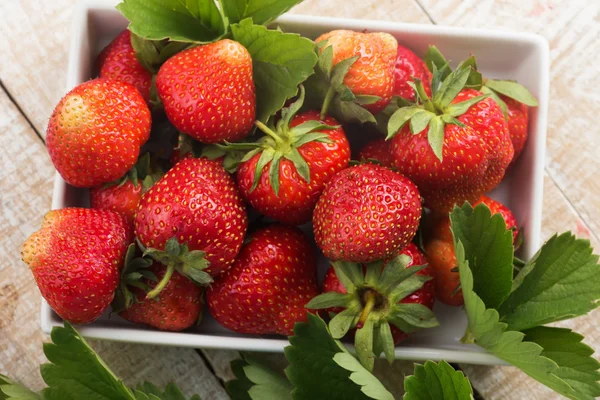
x: 453, y: 84
x: 513, y: 90
x: 561, y: 281
x: 315, y: 370
x: 256, y: 381
x: 576, y: 365
x: 261, y: 11
x: 280, y: 62
x: 190, y: 21
x: 10, y: 390
x: 489, y: 249
x: 436, y: 62
x: 153, y: 53
x: 433, y: 381
x: 435, y: 136
x: 363, y: 342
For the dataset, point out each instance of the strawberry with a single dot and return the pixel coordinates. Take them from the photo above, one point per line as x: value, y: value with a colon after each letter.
x: 208, y: 91
x: 118, y: 61
x: 76, y: 258
x: 377, y: 150
x: 456, y: 146
x: 439, y: 247
x: 178, y: 307
x: 95, y: 132
x: 384, y: 301
x: 266, y: 290
x: 124, y: 195
x: 285, y: 173
x: 194, y: 206
x: 409, y: 66
x: 518, y: 123
x: 366, y: 213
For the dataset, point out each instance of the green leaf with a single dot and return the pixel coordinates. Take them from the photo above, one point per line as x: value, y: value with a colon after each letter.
x: 339, y: 72
x: 197, y: 21
x: 420, y: 120
x: 265, y: 157
x: 386, y: 342
x: 365, y: 99
x: 349, y: 274
x: 561, y: 281
x: 312, y: 369
x: 325, y: 61
x: 363, y: 342
x: 349, y: 111
x: 576, y: 366
x: 457, y: 109
x: 475, y: 79
x: 399, y: 118
x: 153, y: 53
x: 256, y: 381
x: 370, y: 385
x: 435, y: 136
x: 513, y: 90
x: 341, y: 323
x: 452, y: 85
x: 485, y: 330
x: 261, y: 11
x: 280, y: 62
x: 329, y: 299
x: 489, y: 249
x: 434, y: 57
x: 497, y: 99
x: 416, y: 315
x: 301, y: 166
x: 274, y: 172
x: 437, y: 381
x: 76, y: 372
x: 11, y: 390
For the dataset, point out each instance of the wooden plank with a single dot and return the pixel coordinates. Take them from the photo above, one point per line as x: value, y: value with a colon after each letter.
x: 26, y: 187
x: 384, y: 10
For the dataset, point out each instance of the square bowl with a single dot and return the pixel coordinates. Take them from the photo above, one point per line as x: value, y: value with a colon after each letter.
x: 504, y: 55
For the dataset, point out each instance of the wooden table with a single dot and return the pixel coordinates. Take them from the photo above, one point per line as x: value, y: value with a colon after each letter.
x: 35, y: 37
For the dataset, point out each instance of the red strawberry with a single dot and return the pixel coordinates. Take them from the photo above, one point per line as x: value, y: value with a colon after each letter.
x: 439, y: 247
x: 288, y: 188
x: 424, y: 295
x: 194, y: 206
x: 95, y: 132
x: 124, y: 196
x: 442, y: 261
x: 266, y: 290
x: 118, y: 61
x: 178, y: 307
x: 408, y: 67
x: 372, y: 73
x: 518, y: 123
x: 366, y: 213
x: 378, y: 150
x: 454, y: 155
x: 208, y: 91
x: 369, y: 297
x: 76, y: 258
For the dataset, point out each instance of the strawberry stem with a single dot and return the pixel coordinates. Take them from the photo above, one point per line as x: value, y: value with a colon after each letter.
x: 328, y: 97
x: 269, y: 132
x: 369, y: 304
x: 163, y: 282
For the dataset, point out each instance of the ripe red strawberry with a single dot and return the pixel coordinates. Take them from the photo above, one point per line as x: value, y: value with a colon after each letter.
x: 425, y: 295
x: 439, y: 247
x: 378, y: 150
x: 409, y: 66
x: 266, y: 290
x: 95, y: 132
x: 372, y: 73
x: 518, y: 123
x: 194, y: 206
x: 118, y: 61
x: 76, y: 258
x: 287, y: 188
x: 178, y: 307
x: 366, y: 213
x: 124, y: 195
x: 454, y: 155
x: 208, y: 91
x: 398, y: 292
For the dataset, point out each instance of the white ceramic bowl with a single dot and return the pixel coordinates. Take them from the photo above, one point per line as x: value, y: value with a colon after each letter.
x: 505, y: 55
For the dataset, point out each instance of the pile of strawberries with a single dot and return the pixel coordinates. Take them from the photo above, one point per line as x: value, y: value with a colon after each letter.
x: 193, y: 200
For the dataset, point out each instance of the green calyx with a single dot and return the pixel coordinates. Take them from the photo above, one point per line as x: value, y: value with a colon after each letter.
x: 372, y: 303
x: 282, y: 142
x: 178, y: 257
x: 326, y: 89
x: 141, y: 171
x: 135, y: 268
x: 436, y: 111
